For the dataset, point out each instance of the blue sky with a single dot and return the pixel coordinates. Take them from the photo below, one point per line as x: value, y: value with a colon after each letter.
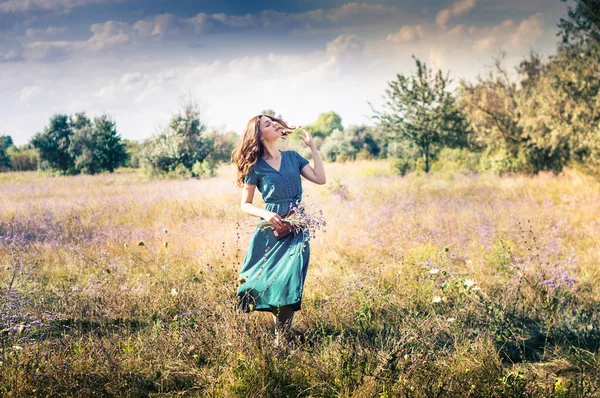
x: 136, y: 60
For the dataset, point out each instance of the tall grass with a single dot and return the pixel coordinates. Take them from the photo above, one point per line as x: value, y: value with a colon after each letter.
x: 422, y: 286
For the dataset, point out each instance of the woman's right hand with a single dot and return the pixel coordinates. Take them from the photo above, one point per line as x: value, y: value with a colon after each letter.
x: 274, y: 218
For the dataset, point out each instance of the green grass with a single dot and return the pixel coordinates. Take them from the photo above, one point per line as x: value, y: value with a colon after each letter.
x: 422, y: 286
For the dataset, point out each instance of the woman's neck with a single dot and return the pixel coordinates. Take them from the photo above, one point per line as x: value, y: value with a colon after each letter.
x: 270, y: 150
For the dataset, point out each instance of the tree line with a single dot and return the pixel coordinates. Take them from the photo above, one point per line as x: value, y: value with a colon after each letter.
x: 546, y: 118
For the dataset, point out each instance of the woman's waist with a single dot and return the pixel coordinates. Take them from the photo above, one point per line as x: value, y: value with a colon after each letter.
x: 277, y: 201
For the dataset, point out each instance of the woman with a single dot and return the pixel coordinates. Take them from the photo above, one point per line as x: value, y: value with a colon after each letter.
x: 273, y: 271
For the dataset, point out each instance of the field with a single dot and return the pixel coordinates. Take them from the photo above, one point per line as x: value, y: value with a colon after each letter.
x: 421, y: 286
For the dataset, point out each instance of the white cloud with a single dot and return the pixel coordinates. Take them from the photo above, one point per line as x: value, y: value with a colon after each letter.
x: 41, y: 33
x: 107, y: 35
x: 529, y: 30
x: 351, y: 14
x: 458, y: 8
x: 131, y: 78
x: 346, y: 46
x: 16, y: 6
x: 158, y: 26
x: 442, y: 17
x: 407, y: 34
x: 48, y: 50
x: 201, y: 23
x: 29, y: 91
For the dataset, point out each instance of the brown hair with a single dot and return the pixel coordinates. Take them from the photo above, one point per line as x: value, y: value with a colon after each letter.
x: 249, y: 148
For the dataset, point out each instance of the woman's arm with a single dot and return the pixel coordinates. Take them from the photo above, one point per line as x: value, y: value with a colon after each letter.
x: 316, y: 174
x: 249, y: 208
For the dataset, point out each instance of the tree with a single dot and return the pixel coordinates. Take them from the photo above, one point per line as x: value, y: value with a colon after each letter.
x: 491, y: 106
x: 421, y: 110
x: 271, y: 112
x: 582, y: 27
x: 326, y: 124
x: 96, y: 147
x: 6, y: 141
x: 133, y: 149
x: 53, y: 144
x: 73, y: 144
x: 354, y: 141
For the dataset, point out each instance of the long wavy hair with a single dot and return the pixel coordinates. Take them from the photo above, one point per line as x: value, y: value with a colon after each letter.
x: 249, y: 148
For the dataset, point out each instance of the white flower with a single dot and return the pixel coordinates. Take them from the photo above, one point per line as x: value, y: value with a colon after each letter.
x: 469, y: 282
x: 476, y: 288
x: 434, y: 271
x: 174, y: 292
x: 451, y: 319
x: 468, y: 261
x: 437, y: 299
x: 17, y: 348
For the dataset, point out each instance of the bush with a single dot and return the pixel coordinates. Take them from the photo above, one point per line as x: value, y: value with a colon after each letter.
x: 456, y: 160
x: 23, y: 159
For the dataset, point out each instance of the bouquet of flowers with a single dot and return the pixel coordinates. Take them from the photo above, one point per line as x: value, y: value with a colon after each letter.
x: 298, y: 220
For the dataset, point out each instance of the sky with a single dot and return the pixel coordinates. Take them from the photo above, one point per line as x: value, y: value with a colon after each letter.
x: 138, y: 61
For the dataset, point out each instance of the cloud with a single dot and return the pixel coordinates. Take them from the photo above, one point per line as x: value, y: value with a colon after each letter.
x: 351, y: 14
x: 11, y: 56
x: 346, y: 47
x: 47, y: 50
x: 459, y: 8
x: 28, y: 92
x: 42, y: 33
x: 159, y: 26
x: 507, y: 35
x: 107, y: 35
x: 20, y: 6
x: 131, y: 78
x: 407, y: 34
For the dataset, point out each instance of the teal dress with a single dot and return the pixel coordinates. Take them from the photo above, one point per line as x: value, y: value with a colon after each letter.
x: 273, y: 271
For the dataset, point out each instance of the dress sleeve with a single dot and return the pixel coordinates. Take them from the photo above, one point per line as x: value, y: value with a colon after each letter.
x: 301, y: 160
x: 251, y: 178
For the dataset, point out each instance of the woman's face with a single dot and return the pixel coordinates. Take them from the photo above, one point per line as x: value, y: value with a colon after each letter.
x: 270, y: 130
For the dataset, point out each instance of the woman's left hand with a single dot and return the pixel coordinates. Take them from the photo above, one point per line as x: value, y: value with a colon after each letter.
x: 307, y: 138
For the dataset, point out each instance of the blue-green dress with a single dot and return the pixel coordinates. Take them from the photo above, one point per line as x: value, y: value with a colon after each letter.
x: 273, y: 271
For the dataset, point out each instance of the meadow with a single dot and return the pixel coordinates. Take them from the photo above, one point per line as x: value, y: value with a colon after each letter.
x: 440, y: 285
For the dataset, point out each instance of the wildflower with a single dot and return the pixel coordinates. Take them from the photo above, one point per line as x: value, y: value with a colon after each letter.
x: 437, y: 299
x: 469, y: 283
x: 476, y: 288
x: 302, y: 221
x: 17, y: 348
x: 174, y: 292
x: 434, y: 271
x: 451, y: 319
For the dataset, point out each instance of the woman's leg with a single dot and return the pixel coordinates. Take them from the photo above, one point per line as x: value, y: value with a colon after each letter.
x: 283, y: 320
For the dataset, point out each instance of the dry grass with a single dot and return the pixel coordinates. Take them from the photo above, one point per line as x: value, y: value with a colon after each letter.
x: 441, y: 285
